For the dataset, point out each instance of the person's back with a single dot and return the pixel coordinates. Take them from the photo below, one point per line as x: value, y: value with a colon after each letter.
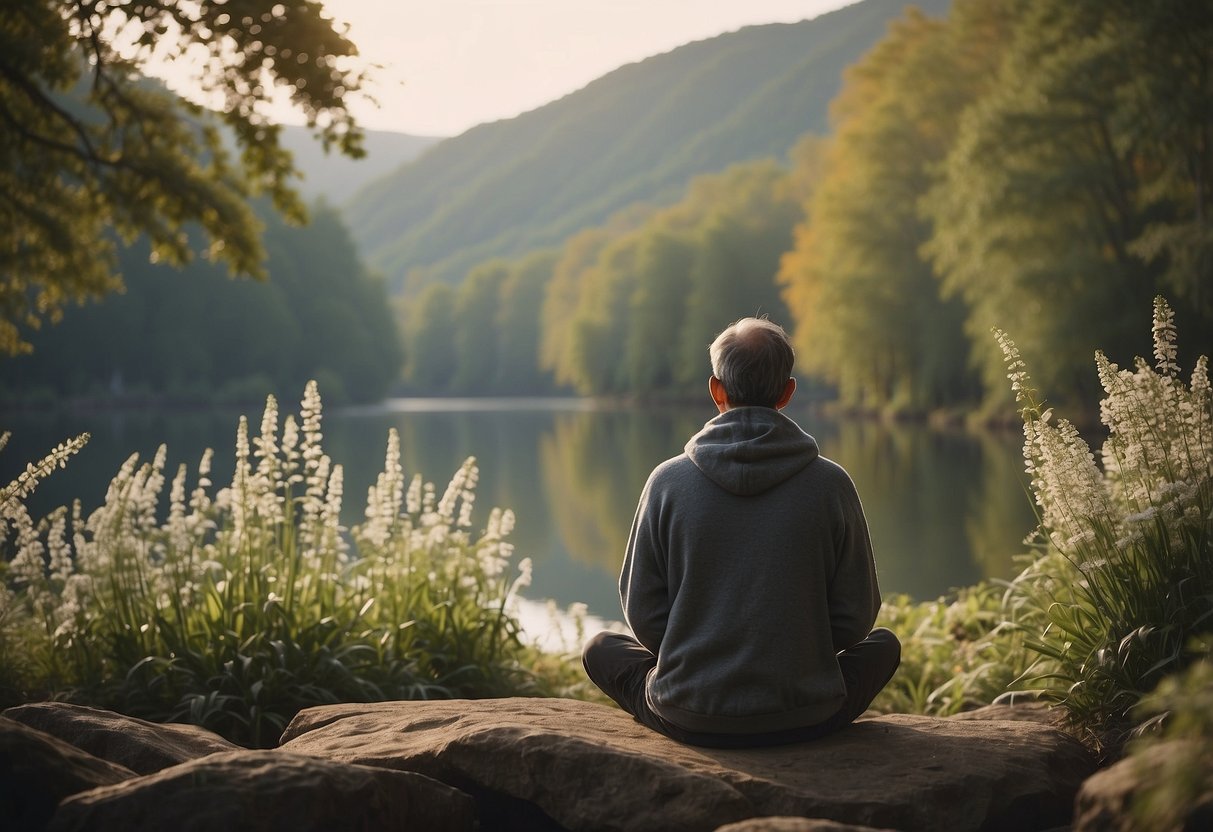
x: 749, y: 580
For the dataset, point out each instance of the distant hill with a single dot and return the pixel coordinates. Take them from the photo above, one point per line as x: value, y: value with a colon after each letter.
x: 337, y: 177
x: 636, y: 134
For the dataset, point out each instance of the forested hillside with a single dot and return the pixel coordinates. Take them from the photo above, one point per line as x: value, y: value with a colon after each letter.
x: 638, y: 134
x: 336, y: 177
x: 1039, y: 166
x: 196, y: 335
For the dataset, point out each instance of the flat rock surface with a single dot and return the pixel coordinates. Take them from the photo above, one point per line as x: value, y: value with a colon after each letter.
x: 143, y: 747
x: 268, y: 791
x: 588, y: 766
x: 1030, y: 712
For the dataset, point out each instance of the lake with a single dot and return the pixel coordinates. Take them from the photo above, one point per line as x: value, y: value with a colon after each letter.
x: 945, y: 508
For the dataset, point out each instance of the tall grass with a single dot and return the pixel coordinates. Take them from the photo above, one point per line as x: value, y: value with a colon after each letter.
x: 957, y: 653
x: 234, y: 608
x: 1124, y: 577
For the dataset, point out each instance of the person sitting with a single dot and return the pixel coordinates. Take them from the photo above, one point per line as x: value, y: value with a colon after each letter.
x: 749, y: 579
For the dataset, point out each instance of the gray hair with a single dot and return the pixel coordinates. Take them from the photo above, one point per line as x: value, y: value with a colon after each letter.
x: 753, y: 359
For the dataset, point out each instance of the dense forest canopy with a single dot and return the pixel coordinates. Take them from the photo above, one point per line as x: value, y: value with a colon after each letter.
x: 870, y: 318
x: 1043, y: 166
x: 1080, y: 186
x: 197, y: 336
x: 90, y: 152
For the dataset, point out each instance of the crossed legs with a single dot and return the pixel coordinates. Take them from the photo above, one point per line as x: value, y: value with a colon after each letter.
x: 620, y: 665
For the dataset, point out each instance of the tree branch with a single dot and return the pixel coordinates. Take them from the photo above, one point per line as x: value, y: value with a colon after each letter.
x: 47, y: 105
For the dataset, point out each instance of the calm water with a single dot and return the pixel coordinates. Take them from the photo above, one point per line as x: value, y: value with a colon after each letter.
x: 945, y: 509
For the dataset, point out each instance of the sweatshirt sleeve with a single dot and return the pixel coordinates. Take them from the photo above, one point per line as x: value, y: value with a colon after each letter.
x: 643, y: 588
x: 854, y: 592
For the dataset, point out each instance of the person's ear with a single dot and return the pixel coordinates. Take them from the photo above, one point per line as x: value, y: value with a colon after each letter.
x: 788, y: 390
x: 719, y: 396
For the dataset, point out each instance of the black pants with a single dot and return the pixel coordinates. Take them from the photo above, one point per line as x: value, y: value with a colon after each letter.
x: 620, y: 665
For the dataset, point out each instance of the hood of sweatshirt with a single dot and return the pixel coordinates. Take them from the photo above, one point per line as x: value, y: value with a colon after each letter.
x: 749, y: 450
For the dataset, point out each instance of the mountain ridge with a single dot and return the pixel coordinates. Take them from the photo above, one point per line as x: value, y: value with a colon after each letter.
x: 637, y: 134
x: 336, y: 177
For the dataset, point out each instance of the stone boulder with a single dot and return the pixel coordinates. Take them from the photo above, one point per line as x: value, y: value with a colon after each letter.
x: 268, y: 791
x: 1105, y: 802
x: 143, y: 747
x: 794, y: 825
x: 38, y: 770
x: 555, y: 763
x: 1028, y: 712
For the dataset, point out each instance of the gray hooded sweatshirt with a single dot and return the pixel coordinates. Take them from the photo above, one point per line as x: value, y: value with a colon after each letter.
x: 748, y: 568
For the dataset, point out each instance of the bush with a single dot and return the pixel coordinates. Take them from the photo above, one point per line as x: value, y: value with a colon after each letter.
x: 1174, y: 783
x: 956, y: 653
x: 236, y: 610
x: 1124, y: 579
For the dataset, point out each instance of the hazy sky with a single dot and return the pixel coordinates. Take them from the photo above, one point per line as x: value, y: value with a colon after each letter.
x: 451, y: 64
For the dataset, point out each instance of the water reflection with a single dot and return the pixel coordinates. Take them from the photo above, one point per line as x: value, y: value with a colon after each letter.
x: 945, y: 509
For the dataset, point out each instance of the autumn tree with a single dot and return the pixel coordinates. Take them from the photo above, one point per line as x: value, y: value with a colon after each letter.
x: 93, y: 154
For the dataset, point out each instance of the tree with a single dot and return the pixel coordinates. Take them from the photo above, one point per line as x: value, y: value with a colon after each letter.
x: 870, y: 318
x: 192, y: 334
x: 518, y: 322
x: 658, y: 307
x: 600, y: 321
x: 430, y: 339
x: 560, y: 303
x: 632, y: 308
x: 1080, y: 186
x: 476, y: 303
x: 745, y: 217
x: 93, y: 154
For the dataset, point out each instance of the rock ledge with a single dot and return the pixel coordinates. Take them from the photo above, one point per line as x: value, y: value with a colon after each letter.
x: 531, y: 764
x: 587, y: 766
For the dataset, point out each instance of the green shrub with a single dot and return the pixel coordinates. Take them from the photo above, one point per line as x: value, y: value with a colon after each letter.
x: 237, y: 609
x: 956, y: 653
x: 1174, y: 782
x: 1124, y: 579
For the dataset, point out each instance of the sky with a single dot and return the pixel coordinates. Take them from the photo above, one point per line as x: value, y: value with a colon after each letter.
x: 448, y: 65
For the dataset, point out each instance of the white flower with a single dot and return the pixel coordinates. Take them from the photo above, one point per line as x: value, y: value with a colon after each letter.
x: 266, y: 443
x: 28, y: 480
x: 1165, y: 350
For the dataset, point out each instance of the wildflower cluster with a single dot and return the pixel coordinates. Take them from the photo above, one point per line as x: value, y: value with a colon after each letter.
x: 1126, y: 575
x: 242, y: 605
x: 35, y: 564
